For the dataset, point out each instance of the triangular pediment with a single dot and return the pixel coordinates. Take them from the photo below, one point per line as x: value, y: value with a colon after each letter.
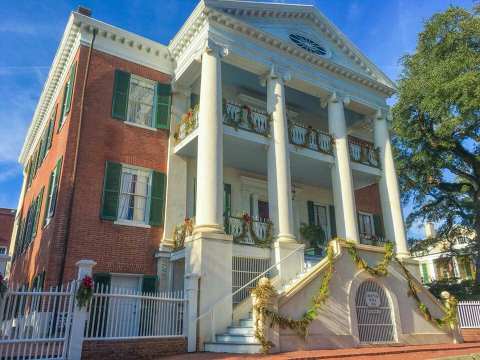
x: 304, y: 27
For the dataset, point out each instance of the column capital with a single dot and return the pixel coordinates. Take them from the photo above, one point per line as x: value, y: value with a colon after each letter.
x: 276, y: 72
x: 335, y: 97
x: 213, y: 48
x: 178, y: 89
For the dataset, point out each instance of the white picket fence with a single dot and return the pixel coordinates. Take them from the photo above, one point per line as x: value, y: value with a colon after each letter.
x: 36, y: 324
x: 469, y: 314
x: 121, y: 314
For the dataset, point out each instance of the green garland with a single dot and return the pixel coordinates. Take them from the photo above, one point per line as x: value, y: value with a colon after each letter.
x: 264, y: 292
x: 380, y: 269
x: 450, y: 318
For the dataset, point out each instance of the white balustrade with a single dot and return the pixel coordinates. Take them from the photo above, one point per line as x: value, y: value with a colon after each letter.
x: 246, y: 118
x: 363, y: 152
x: 236, y: 226
x: 310, y: 138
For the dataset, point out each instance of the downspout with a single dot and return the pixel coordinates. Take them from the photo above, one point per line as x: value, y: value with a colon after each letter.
x: 73, y: 178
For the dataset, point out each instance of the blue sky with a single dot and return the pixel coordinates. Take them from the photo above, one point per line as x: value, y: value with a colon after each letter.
x: 30, y: 31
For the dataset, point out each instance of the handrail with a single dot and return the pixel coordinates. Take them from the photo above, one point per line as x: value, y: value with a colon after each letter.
x: 248, y: 283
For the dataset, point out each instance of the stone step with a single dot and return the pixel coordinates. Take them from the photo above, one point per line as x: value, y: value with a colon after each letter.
x: 233, y: 348
x: 240, y: 330
x: 238, y: 339
x: 246, y: 322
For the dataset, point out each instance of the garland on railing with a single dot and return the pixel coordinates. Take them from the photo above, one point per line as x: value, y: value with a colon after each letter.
x: 380, y: 269
x: 451, y: 302
x: 247, y: 225
x: 84, y: 291
x: 188, y: 120
x: 181, y: 232
x: 264, y: 292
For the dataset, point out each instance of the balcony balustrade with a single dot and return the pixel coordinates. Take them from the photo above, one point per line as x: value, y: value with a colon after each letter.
x: 246, y: 118
x: 374, y: 240
x: 363, y: 152
x: 310, y: 138
x: 187, y: 125
x: 249, y: 231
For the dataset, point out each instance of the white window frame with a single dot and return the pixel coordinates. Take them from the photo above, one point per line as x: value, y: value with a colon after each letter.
x: 369, y: 215
x: 151, y: 126
x: 137, y: 170
x: 328, y: 232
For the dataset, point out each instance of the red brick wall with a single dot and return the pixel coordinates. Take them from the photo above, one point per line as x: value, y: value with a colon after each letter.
x: 143, y: 349
x: 115, y: 248
x: 37, y: 257
x: 7, y: 218
x: 470, y: 335
x: 367, y: 199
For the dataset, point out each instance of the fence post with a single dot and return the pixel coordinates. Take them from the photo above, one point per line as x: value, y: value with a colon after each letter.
x: 190, y: 321
x: 79, y: 314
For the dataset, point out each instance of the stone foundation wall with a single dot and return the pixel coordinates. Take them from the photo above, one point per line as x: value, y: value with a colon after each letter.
x: 141, y: 349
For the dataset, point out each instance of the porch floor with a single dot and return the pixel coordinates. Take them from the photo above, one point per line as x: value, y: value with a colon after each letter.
x: 414, y: 352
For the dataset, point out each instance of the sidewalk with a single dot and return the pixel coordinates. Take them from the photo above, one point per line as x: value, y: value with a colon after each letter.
x: 417, y: 352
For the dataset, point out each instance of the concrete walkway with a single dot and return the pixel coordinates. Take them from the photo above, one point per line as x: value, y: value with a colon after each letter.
x: 418, y: 352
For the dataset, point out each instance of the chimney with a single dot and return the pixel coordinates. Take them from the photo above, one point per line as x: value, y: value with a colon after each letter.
x: 84, y: 10
x: 430, y: 230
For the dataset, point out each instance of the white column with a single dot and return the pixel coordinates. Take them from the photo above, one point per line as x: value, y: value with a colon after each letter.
x: 388, y: 186
x: 342, y: 180
x: 279, y: 180
x: 210, y: 145
x: 190, y: 320
x: 255, y: 205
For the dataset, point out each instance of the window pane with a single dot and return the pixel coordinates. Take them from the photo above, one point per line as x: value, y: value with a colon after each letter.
x: 134, y: 193
x: 140, y: 101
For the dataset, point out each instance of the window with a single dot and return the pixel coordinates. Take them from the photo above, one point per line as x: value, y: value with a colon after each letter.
x: 366, y: 225
x: 3, y: 250
x: 318, y: 215
x: 134, y: 195
x: 52, y: 192
x: 141, y: 99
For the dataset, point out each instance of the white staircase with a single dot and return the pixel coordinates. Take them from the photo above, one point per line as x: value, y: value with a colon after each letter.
x: 239, y: 339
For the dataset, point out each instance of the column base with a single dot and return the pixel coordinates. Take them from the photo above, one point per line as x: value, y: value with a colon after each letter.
x: 210, y: 229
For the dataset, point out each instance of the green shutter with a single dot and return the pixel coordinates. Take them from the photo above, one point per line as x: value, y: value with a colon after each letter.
x: 38, y: 211
x: 164, y: 96
x: 120, y: 95
x: 54, y: 197
x: 50, y: 129
x: 34, y: 164
x: 157, y: 203
x: 333, y: 224
x: 29, y: 173
x: 378, y: 223
x: 71, y: 82
x: 227, y: 199
x: 47, y: 205
x: 43, y: 147
x: 149, y: 284
x: 111, y: 190
x: 311, y: 213
x: 67, y: 96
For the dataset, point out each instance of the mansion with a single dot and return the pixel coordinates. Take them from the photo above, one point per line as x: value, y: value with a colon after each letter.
x: 257, y: 137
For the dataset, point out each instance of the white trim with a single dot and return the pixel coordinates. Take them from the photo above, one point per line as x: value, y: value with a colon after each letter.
x: 131, y: 223
x: 140, y: 126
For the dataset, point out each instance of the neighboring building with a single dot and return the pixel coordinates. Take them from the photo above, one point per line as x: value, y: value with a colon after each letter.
x: 7, y: 219
x: 255, y: 119
x: 447, y: 259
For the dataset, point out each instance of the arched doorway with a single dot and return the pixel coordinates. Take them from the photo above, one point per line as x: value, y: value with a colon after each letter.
x: 374, y: 315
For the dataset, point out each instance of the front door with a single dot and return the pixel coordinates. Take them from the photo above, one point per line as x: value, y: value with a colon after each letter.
x: 124, y: 311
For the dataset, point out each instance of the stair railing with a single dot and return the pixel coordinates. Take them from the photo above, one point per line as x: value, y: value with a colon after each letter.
x: 211, y: 311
